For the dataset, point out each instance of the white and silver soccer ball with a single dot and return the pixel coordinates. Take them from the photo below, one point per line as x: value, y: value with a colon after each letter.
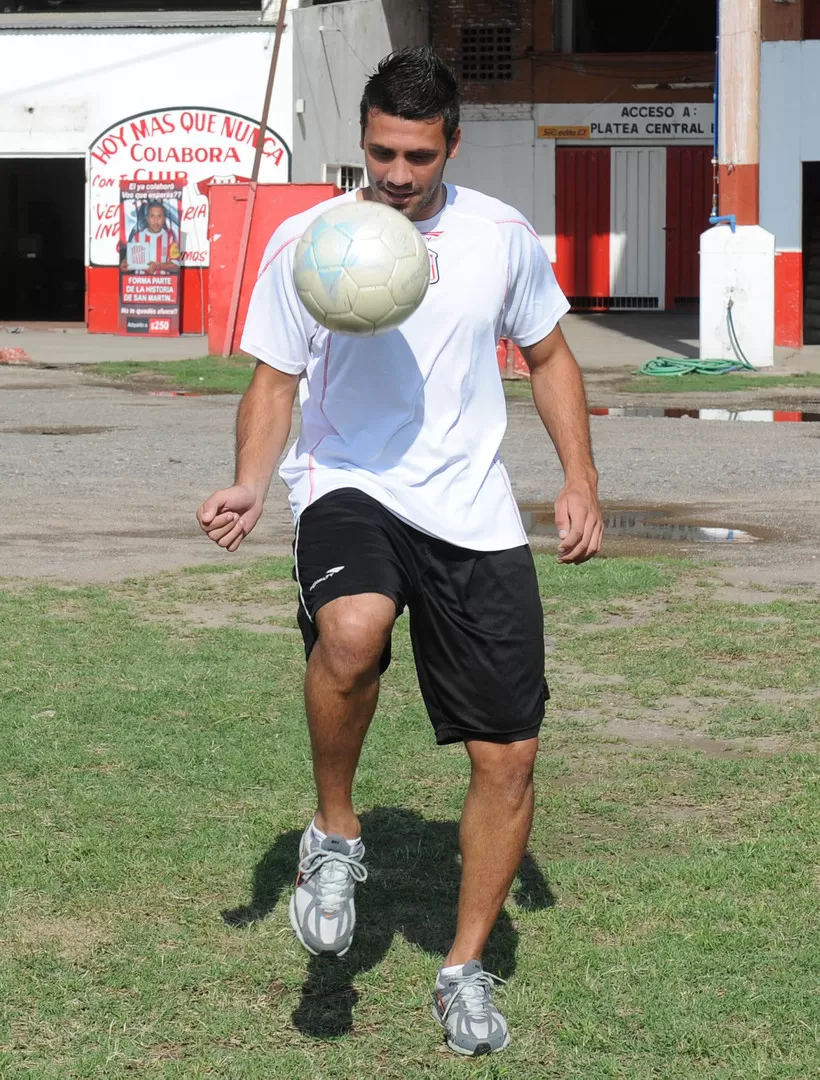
x: 361, y: 268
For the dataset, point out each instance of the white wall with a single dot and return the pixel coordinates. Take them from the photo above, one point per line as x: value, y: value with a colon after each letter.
x: 59, y: 90
x: 330, y: 69
x: 790, y: 81
x: 789, y: 134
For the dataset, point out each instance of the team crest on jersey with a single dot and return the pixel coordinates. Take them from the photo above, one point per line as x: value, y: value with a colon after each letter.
x: 433, y: 266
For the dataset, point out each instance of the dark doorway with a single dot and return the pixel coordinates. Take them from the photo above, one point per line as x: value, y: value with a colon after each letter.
x: 643, y: 26
x: 811, y: 253
x: 42, y: 230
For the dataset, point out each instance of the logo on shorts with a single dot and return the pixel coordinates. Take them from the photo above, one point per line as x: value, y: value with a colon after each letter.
x: 333, y: 570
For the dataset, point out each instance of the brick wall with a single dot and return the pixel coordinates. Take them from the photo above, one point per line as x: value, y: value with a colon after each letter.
x: 541, y: 75
x: 447, y: 17
x: 782, y: 22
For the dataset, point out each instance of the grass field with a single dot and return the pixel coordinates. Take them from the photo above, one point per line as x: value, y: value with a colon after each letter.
x: 699, y: 384
x: 231, y: 375
x: 155, y: 778
x: 203, y: 375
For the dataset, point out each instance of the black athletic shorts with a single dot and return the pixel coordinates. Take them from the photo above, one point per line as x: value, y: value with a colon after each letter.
x: 476, y: 620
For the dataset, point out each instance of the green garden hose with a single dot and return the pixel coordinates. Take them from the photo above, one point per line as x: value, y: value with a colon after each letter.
x: 666, y: 365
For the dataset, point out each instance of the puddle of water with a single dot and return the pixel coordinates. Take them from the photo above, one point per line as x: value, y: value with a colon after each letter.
x: 648, y: 524
x: 58, y: 430
x: 766, y: 416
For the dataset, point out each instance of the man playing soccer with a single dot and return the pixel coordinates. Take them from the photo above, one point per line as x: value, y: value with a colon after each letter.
x: 400, y: 499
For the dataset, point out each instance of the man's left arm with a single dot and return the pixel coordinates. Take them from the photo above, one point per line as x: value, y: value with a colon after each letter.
x: 558, y: 391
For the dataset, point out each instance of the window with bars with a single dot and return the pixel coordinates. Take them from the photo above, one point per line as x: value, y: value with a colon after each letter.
x: 346, y: 177
x: 486, y: 52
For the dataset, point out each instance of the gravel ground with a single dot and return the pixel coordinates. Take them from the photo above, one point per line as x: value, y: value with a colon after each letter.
x: 117, y: 498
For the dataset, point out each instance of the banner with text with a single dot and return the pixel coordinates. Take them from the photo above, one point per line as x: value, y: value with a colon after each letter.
x: 150, y: 255
x: 626, y: 122
x: 193, y: 147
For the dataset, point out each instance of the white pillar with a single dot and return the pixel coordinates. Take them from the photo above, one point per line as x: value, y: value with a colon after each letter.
x: 737, y: 268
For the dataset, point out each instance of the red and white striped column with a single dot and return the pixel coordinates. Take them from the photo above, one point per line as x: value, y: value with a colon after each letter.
x: 739, y: 109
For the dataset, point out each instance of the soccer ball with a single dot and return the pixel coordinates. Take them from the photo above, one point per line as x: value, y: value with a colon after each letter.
x: 361, y: 268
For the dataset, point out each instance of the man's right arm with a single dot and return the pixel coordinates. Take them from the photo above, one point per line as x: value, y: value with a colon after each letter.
x: 262, y: 428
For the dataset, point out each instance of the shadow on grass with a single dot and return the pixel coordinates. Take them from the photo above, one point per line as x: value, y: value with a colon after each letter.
x: 412, y: 889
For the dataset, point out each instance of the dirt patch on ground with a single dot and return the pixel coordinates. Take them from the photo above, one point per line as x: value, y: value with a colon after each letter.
x: 640, y: 732
x: 256, y: 617
x: 70, y: 938
x: 215, y: 601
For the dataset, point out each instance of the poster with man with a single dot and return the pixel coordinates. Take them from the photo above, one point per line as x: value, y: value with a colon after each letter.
x: 150, y: 255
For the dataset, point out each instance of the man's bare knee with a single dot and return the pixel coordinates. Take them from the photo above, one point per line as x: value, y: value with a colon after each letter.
x: 507, y: 766
x: 353, y: 632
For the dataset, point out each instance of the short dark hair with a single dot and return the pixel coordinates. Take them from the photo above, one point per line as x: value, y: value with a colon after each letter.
x: 414, y: 84
x: 153, y: 204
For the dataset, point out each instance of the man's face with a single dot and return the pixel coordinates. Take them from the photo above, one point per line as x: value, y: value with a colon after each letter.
x: 405, y: 161
x: 155, y: 219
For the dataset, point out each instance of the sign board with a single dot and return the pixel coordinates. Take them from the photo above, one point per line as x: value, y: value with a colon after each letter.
x: 628, y: 122
x: 192, y: 147
x: 548, y: 131
x: 150, y: 254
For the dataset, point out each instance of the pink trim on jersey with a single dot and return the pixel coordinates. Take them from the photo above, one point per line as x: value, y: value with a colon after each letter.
x: 517, y: 221
x: 275, y: 256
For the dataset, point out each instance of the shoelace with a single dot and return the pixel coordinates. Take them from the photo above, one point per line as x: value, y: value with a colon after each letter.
x: 475, y: 991
x: 333, y: 868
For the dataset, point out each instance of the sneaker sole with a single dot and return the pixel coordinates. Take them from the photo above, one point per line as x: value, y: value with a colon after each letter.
x: 480, y: 1051
x: 294, y: 922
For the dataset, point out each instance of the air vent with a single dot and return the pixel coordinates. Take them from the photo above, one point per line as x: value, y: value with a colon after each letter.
x: 486, y: 52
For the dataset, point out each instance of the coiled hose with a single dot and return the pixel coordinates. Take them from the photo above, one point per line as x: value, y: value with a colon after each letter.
x: 666, y: 365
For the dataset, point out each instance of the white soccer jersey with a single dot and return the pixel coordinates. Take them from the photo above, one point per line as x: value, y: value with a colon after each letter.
x: 415, y: 417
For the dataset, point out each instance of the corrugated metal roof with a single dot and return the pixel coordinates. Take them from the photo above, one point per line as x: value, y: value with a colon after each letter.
x: 135, y: 20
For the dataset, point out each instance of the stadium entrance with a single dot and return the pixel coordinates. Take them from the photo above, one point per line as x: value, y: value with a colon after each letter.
x: 42, y: 239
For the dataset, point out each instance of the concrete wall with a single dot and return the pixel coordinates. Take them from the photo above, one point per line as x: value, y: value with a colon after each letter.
x: 789, y: 134
x: 330, y: 68
x: 59, y: 89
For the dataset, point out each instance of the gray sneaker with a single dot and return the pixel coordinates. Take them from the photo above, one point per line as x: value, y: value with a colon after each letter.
x: 322, y: 912
x: 463, y: 1005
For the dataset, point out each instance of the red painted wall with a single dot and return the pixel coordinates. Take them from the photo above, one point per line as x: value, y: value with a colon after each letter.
x: 582, y: 218
x: 688, y: 205
x: 788, y: 299
x: 102, y: 300
x: 206, y: 292
x: 274, y: 203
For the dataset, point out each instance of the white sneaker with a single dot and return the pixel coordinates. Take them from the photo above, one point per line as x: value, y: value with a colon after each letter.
x: 322, y: 912
x: 463, y: 1005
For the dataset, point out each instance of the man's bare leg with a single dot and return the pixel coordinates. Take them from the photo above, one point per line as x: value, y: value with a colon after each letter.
x: 495, y: 827
x: 341, y: 693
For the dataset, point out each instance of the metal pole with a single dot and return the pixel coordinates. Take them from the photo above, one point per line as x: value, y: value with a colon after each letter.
x: 233, y: 311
